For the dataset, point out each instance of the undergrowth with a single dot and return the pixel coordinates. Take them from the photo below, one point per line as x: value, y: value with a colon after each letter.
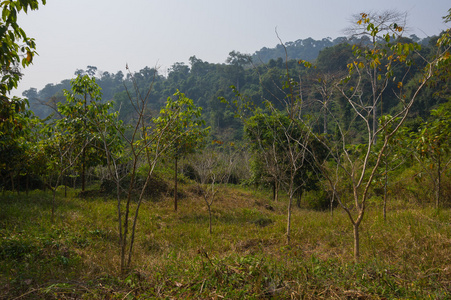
x: 246, y: 257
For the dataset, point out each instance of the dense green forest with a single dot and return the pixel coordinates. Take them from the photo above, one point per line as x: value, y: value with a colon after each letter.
x: 260, y: 77
x: 304, y: 161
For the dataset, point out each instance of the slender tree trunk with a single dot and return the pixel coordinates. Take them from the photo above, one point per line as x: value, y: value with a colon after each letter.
x: 83, y: 156
x: 135, y: 220
x: 385, y: 189
x: 374, y: 88
x: 374, y: 121
x: 275, y: 190
x: 53, y: 205
x: 175, y: 184
x: 83, y: 171
x: 209, y: 215
x: 54, y: 196
x: 27, y: 184
x: 290, y: 202
x: 13, y: 188
x: 298, y: 202
x: 18, y: 184
x: 325, y: 123
x: 65, y: 184
x: 289, y: 218
x: 356, y: 242
x: 125, y: 229
x: 332, y: 205
x: 439, y: 183
x: 119, y: 214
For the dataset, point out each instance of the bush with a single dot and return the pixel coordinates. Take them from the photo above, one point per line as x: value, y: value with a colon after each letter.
x: 15, y: 249
x: 155, y: 187
x: 189, y: 172
x: 318, y: 199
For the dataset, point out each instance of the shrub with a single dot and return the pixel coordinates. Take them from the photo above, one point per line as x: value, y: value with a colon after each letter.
x: 318, y: 199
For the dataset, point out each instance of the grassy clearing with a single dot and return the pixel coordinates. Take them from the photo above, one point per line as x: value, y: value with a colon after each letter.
x: 246, y: 257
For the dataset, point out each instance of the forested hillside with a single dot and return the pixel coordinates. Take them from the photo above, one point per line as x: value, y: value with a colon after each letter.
x: 259, y: 77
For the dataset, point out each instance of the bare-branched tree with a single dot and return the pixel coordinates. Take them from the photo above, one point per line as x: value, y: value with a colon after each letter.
x: 353, y: 163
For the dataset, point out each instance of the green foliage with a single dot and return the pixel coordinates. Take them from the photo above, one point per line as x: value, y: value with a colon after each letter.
x: 317, y: 199
x: 185, y: 127
x: 307, y: 49
x: 184, y: 130
x: 204, y: 82
x: 433, y: 139
x: 87, y: 123
x: 15, y: 249
x: 274, y: 139
x: 432, y: 144
x: 266, y: 135
x: 16, y: 132
x: 17, y: 47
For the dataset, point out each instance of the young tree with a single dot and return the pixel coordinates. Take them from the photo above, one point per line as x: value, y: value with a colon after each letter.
x: 145, y: 140
x: 263, y: 132
x: 296, y: 137
x: 395, y: 155
x: 282, y: 141
x: 62, y: 150
x: 433, y: 144
x: 184, y: 120
x: 354, y: 161
x: 74, y: 137
x: 208, y: 172
x: 83, y: 102
x: 232, y: 161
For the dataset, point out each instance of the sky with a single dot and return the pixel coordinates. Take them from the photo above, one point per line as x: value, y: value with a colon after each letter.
x: 109, y: 34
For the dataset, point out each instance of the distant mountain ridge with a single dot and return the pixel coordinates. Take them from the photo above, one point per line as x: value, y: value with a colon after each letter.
x: 309, y: 48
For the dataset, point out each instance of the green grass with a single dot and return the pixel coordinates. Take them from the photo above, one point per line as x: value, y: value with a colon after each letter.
x: 246, y: 257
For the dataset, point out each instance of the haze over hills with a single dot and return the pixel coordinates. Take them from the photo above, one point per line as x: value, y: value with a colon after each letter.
x: 306, y: 49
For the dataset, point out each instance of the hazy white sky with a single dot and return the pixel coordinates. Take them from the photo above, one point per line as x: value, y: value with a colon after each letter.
x: 72, y: 34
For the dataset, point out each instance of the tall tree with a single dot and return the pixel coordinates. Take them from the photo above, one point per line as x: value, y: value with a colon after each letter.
x: 208, y: 172
x: 237, y: 61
